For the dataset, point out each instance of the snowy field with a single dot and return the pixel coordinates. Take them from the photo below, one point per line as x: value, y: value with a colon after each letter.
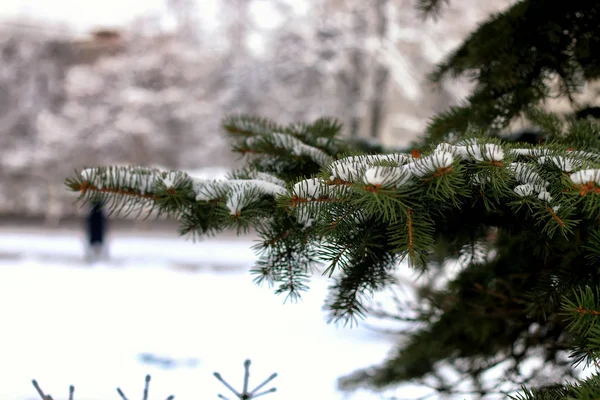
x: 67, y: 322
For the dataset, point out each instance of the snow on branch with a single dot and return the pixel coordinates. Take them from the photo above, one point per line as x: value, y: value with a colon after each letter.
x: 171, y: 180
x: 312, y: 189
x: 238, y: 193
x: 208, y: 189
x: 293, y: 145
x: 263, y: 176
x: 300, y: 148
x: 586, y: 176
x: 564, y: 163
x: 387, y: 176
x: 526, y: 173
x: 535, y: 152
x: 474, y: 151
x: 390, y: 171
x: 132, y: 179
x: 352, y: 168
x: 439, y: 160
x: 117, y: 178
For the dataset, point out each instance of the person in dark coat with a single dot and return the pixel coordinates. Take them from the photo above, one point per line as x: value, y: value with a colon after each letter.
x: 96, y: 231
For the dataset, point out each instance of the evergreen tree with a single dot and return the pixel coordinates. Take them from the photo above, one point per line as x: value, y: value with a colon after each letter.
x: 531, y: 209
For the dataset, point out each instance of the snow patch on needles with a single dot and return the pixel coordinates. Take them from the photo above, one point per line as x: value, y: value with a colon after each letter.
x: 487, y: 152
x: 263, y: 176
x: 586, y: 175
x: 239, y: 192
x: 172, y: 179
x: 352, y: 168
x: 430, y: 164
x: 565, y: 164
x: 533, y: 152
x: 372, y: 169
x: 530, y: 190
x: 169, y: 180
x: 310, y: 189
x: 387, y: 176
x: 526, y: 173
x: 242, y: 193
x: 209, y: 189
x: 532, y: 182
x: 524, y: 190
x: 545, y: 196
x: 136, y: 178
x: 585, y: 154
x: 477, y: 152
x: 300, y: 148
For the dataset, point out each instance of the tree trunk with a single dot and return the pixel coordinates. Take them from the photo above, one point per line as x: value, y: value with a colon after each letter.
x: 381, y: 75
x: 359, y: 71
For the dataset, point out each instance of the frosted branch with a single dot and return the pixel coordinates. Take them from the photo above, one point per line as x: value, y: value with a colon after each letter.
x: 239, y: 192
x: 142, y: 180
x: 585, y: 176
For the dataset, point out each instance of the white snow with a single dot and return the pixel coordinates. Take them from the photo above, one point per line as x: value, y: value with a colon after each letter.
x: 585, y: 154
x: 312, y: 188
x: 208, y: 189
x: 545, y: 196
x: 67, y: 322
x: 524, y: 190
x: 526, y: 173
x: 73, y: 323
x: 490, y: 152
x: 299, y: 148
x: 565, y: 164
x: 387, y: 176
x: 209, y: 173
x: 213, y: 189
x: 351, y: 168
x: 585, y: 176
x: 424, y: 166
x: 244, y: 192
x: 128, y: 250
x: 533, y: 152
x: 263, y: 176
x: 472, y: 150
x: 172, y: 178
x: 122, y: 176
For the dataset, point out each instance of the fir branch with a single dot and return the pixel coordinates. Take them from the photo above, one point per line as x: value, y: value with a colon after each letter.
x: 247, y: 125
x: 410, y: 230
x: 580, y: 389
x: 556, y: 217
x: 133, y: 188
x: 549, y: 122
x: 362, y: 214
x: 510, y: 76
x: 412, y: 236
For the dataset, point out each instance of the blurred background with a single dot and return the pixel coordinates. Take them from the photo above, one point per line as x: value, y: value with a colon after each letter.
x: 147, y: 82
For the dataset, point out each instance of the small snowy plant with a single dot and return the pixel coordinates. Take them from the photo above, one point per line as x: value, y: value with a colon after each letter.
x: 243, y: 395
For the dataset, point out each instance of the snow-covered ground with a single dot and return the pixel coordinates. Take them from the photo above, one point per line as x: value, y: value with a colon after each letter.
x: 68, y: 322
